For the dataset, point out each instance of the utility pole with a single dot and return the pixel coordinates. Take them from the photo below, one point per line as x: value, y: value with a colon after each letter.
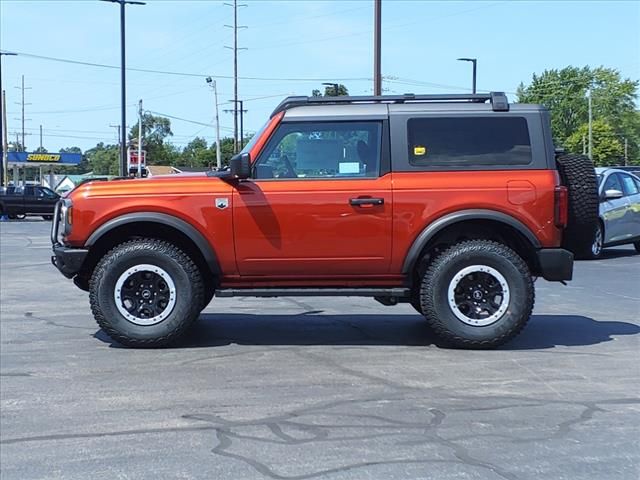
x: 590, y: 151
x: 242, y: 111
x: 117, y: 127
x: 584, y: 144
x: 3, y: 125
x: 140, y: 139
x: 5, y: 165
x: 212, y: 83
x: 235, y: 68
x: 40, y: 137
x: 23, y: 88
x: 377, y: 47
x: 626, y: 151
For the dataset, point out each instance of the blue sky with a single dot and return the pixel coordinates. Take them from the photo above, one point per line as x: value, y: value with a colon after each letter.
x: 287, y: 40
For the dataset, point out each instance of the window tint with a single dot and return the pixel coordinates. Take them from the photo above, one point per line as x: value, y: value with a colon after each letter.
x: 322, y: 150
x: 612, y: 183
x: 469, y: 141
x: 628, y: 185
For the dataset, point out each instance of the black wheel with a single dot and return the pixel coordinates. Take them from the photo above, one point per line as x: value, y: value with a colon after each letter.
x: 145, y: 293
x: 47, y: 217
x: 477, y: 294
x: 637, y: 246
x: 578, y: 175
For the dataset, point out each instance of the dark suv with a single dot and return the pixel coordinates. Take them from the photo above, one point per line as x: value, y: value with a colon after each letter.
x: 454, y: 203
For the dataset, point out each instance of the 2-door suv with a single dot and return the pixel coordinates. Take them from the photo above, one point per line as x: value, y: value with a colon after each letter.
x: 454, y: 203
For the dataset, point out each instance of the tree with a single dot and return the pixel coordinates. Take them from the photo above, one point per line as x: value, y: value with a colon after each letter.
x: 565, y: 93
x: 330, y: 91
x: 104, y: 159
x: 607, y: 148
x: 196, y: 154
x: 156, y: 130
x: 83, y: 166
x: 41, y: 150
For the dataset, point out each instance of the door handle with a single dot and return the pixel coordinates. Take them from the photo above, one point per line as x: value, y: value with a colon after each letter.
x: 358, y: 202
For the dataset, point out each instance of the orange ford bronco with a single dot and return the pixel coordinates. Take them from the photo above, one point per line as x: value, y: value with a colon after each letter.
x: 453, y: 203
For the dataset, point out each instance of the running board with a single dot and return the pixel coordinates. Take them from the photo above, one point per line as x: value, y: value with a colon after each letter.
x: 313, y: 292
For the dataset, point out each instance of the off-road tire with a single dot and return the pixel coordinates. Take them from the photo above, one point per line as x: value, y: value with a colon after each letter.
x: 578, y: 175
x: 441, y: 272
x: 183, y: 272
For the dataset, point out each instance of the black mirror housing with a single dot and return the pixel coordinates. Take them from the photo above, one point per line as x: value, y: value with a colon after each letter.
x: 241, y: 166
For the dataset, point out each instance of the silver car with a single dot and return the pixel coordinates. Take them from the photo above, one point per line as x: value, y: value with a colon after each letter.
x: 619, y: 210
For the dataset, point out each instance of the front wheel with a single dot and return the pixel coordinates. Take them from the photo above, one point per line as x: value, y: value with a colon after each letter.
x: 477, y: 294
x: 145, y: 293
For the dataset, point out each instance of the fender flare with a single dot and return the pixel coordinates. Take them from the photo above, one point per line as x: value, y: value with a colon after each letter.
x: 183, y: 227
x: 452, y: 218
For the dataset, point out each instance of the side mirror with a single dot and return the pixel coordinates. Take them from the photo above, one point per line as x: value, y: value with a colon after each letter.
x: 612, y: 194
x: 241, y: 166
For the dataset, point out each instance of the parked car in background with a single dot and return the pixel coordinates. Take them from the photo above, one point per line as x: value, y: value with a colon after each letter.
x: 619, y: 210
x: 18, y: 202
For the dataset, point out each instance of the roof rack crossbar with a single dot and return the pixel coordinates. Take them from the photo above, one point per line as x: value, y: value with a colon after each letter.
x: 498, y: 100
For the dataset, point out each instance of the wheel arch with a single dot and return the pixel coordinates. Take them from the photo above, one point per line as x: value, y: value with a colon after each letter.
x: 476, y: 223
x: 151, y: 225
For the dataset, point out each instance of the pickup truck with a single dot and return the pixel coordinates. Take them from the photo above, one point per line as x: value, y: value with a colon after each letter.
x: 17, y: 202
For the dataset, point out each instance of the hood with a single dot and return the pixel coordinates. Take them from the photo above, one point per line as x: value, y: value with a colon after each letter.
x: 172, y: 184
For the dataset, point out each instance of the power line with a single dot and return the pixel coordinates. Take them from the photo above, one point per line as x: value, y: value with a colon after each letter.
x: 188, y: 74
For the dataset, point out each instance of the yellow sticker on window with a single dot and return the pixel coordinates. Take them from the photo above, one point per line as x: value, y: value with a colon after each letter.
x: 419, y: 150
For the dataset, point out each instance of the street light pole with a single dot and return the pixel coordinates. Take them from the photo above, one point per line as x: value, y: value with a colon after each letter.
x: 377, y: 48
x: 3, y: 127
x: 123, y: 88
x: 475, y: 64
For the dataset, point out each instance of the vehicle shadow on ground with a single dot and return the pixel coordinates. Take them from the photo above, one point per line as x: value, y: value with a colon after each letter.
x: 313, y: 328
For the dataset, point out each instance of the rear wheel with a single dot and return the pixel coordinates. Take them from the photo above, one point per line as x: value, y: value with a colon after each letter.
x: 145, y: 293
x: 578, y: 175
x: 477, y: 294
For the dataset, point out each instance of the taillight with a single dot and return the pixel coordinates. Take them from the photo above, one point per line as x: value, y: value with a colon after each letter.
x: 561, y: 202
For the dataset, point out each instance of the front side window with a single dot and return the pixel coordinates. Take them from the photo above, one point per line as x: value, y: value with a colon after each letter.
x: 628, y: 185
x: 469, y: 141
x: 612, y: 183
x: 321, y: 150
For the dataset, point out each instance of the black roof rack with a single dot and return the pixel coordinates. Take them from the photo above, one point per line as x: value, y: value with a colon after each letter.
x: 498, y: 100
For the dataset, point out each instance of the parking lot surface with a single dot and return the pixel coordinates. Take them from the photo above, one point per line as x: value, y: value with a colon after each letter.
x: 304, y: 388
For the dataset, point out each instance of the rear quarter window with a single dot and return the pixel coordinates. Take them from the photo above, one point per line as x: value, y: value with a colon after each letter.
x: 469, y: 141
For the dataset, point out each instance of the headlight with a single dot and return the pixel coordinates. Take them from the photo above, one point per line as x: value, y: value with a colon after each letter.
x: 65, y: 220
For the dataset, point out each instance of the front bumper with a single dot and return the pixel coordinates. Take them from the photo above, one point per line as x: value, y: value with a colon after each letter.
x: 68, y: 260
x: 556, y: 264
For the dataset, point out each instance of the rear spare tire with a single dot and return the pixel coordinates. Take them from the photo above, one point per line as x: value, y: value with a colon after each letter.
x: 578, y: 175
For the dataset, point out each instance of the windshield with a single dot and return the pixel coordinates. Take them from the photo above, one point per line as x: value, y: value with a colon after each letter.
x: 600, y: 177
x: 247, y: 148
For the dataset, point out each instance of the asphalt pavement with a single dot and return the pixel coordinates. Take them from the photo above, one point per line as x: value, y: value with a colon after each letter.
x: 306, y: 388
